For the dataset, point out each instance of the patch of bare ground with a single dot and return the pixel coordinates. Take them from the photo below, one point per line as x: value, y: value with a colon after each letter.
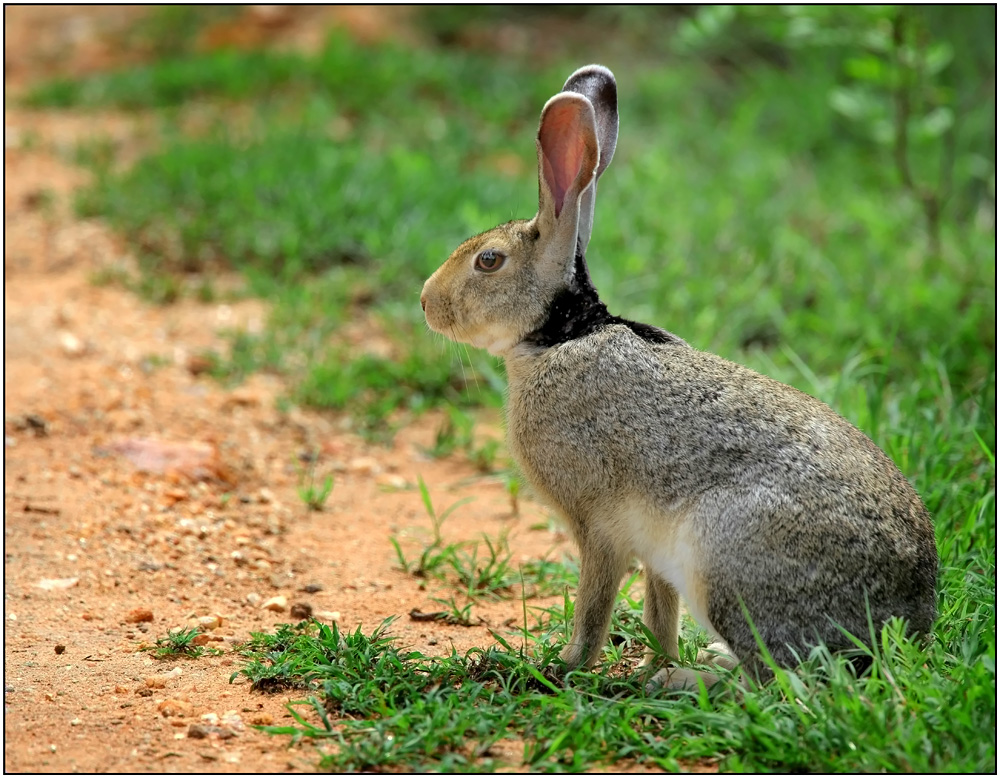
x: 101, y: 558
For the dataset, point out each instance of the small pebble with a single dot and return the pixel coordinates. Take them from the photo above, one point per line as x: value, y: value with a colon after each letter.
x: 71, y: 345
x: 139, y: 615
x: 210, y: 622
x: 301, y: 610
x: 312, y: 588
x: 76, y: 722
x: 173, y: 707
x: 391, y: 481
x: 60, y: 648
x: 253, y: 598
x: 364, y: 466
x: 276, y: 604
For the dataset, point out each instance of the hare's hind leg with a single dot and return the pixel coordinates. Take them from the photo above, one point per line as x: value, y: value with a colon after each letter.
x: 661, y: 613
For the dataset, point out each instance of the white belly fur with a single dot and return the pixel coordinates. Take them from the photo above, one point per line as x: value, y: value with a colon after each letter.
x: 665, y: 545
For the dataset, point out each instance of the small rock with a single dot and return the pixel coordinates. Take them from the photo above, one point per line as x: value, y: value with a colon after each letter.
x: 198, y: 731
x: 139, y: 615
x: 76, y: 722
x: 276, y: 604
x: 70, y: 344
x: 253, y: 598
x: 244, y: 396
x: 172, y: 707
x: 262, y: 719
x: 328, y: 615
x: 364, y: 466
x: 35, y: 423
x: 301, y: 610
x: 143, y: 692
x: 60, y: 648
x: 391, y: 480
x: 54, y: 584
x: 156, y: 681
x: 312, y: 588
x: 198, y: 364
x: 210, y: 622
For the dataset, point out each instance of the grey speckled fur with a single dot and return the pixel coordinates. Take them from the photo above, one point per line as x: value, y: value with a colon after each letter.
x: 740, y: 495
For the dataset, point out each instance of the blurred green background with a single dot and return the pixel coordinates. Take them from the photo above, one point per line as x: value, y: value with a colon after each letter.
x: 794, y: 186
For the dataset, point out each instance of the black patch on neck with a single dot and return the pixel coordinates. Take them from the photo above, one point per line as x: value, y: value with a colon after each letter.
x: 577, y: 311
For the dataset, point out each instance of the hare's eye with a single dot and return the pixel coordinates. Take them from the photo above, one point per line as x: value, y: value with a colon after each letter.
x: 490, y: 260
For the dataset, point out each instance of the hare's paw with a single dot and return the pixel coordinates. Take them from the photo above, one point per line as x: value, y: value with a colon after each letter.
x: 718, y: 654
x: 680, y: 678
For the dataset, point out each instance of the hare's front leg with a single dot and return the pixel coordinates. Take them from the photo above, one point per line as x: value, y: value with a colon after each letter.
x: 661, y: 613
x: 602, y: 567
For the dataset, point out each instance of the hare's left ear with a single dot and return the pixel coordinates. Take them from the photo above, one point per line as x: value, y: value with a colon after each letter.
x: 597, y: 84
x: 568, y: 156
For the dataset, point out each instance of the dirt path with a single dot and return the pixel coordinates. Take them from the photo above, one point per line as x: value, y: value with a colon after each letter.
x: 91, y: 373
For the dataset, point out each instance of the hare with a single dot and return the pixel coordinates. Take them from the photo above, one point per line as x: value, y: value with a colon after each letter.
x: 756, y: 504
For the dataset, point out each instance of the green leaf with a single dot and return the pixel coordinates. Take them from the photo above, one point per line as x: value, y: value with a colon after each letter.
x: 939, y: 56
x: 936, y: 123
x: 867, y: 68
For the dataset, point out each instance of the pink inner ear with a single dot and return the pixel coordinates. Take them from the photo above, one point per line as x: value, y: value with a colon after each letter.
x: 563, y: 149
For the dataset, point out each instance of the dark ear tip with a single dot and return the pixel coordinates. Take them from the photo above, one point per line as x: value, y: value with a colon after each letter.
x: 591, y: 71
x: 596, y: 83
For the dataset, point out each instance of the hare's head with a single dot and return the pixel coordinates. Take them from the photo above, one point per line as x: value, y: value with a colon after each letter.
x: 498, y: 287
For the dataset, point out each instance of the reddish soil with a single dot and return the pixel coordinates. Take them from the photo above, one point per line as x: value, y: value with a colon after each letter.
x: 93, y: 373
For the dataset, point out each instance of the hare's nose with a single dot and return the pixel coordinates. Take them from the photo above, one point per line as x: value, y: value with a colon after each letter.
x: 423, y: 302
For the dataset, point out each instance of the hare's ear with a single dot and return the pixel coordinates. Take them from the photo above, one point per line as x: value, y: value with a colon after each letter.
x: 568, y: 155
x: 597, y: 84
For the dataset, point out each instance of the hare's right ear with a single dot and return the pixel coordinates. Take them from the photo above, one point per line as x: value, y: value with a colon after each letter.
x: 568, y: 156
x: 597, y: 84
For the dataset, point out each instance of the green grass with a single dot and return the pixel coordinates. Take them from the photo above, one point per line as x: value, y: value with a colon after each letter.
x: 382, y: 706
x: 742, y: 212
x: 739, y: 216
x: 180, y: 643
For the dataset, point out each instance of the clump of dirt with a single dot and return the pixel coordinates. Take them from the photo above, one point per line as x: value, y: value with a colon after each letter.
x: 142, y: 497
